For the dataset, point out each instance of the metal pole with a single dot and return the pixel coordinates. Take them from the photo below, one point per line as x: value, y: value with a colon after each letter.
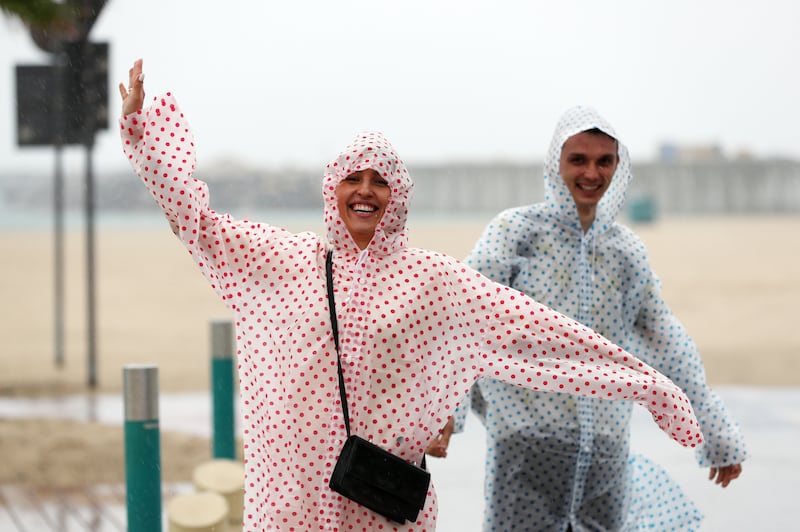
x: 222, y: 346
x: 58, y: 256
x: 90, y: 277
x: 142, y: 448
x: 58, y: 211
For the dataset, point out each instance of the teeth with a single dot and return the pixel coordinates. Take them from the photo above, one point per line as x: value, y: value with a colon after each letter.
x: 363, y: 208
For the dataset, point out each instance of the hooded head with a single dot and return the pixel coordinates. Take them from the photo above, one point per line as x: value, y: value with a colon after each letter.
x: 557, y: 195
x: 369, y: 150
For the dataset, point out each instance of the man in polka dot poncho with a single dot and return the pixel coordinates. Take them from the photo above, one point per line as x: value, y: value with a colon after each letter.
x: 416, y: 328
x: 562, y: 460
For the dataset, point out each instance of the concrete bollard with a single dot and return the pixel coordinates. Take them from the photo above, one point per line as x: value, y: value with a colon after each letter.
x: 225, y: 477
x: 142, y: 448
x: 198, y: 512
x: 222, y: 393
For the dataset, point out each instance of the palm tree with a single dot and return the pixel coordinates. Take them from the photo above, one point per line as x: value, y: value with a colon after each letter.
x: 34, y: 13
x: 52, y: 23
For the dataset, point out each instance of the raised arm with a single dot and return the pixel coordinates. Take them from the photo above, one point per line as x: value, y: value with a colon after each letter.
x: 160, y: 147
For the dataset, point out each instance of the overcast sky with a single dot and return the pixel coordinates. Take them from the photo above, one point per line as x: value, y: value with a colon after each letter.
x: 291, y: 83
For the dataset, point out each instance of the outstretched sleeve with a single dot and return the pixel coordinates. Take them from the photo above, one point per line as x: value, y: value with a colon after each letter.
x: 661, y: 339
x: 530, y: 345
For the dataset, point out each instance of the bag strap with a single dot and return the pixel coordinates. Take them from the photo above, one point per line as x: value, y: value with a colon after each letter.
x: 335, y: 327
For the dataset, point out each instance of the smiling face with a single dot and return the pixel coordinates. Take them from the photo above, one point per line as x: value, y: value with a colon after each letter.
x: 588, y: 162
x: 361, y: 198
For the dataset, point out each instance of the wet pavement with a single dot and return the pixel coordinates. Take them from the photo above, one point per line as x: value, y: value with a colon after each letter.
x: 762, y: 499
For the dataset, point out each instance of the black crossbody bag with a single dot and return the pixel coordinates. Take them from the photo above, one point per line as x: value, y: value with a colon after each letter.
x: 366, y: 473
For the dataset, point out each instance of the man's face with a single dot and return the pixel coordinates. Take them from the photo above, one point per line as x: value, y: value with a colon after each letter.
x: 588, y: 162
x: 362, y: 198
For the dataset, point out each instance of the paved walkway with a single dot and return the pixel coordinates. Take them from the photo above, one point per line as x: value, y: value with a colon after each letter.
x: 762, y: 499
x: 98, y: 508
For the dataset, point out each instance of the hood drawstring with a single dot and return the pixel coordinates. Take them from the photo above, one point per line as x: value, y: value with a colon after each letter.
x: 357, y: 271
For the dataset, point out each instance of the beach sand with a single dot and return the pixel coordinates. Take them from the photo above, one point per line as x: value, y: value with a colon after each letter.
x: 732, y: 281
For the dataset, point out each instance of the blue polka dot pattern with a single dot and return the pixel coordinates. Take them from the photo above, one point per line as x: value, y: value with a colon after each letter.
x: 554, y: 459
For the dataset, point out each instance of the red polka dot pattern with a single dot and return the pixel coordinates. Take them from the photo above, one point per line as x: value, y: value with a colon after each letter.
x: 417, y: 329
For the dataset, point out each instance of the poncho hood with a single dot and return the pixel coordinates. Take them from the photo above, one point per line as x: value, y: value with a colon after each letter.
x: 369, y: 150
x: 557, y: 195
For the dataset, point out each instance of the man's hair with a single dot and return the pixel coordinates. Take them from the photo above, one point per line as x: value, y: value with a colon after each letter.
x: 600, y: 132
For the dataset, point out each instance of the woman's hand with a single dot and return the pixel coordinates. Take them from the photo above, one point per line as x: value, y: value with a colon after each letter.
x: 133, y: 94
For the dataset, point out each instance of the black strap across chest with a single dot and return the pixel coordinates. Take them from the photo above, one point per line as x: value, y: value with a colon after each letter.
x: 335, y: 327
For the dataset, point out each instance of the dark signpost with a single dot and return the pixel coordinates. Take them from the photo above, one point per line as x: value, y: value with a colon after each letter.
x: 65, y: 104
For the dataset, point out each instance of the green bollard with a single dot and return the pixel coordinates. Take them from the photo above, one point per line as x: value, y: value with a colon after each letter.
x: 222, y: 346
x: 142, y: 448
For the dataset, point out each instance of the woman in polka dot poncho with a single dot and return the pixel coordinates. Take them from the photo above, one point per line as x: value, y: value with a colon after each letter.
x: 563, y: 460
x: 417, y: 328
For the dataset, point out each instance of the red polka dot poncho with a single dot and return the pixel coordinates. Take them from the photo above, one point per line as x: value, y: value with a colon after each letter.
x: 417, y: 329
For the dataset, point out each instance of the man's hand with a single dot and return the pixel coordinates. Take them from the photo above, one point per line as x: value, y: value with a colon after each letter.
x: 438, y: 447
x: 724, y: 475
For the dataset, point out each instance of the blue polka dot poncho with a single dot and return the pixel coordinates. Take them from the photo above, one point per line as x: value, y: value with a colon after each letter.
x: 554, y: 459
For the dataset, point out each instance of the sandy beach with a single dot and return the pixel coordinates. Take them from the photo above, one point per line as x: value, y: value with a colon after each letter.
x: 731, y: 280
